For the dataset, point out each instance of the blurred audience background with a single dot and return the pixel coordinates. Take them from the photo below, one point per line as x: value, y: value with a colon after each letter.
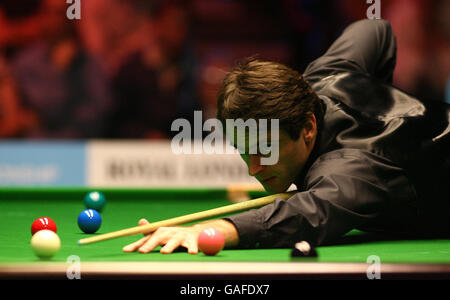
x: 128, y: 68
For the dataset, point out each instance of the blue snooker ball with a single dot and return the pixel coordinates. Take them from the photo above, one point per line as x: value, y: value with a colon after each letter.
x: 89, y: 220
x: 95, y: 200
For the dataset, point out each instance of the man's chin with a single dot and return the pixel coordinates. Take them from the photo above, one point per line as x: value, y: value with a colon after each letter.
x: 275, y: 189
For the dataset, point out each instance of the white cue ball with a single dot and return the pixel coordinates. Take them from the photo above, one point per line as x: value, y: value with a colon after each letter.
x: 45, y: 243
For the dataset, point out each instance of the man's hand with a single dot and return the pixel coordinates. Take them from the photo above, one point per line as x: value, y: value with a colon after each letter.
x: 173, y: 237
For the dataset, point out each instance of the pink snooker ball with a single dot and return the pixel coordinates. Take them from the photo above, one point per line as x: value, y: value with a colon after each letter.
x: 210, y: 241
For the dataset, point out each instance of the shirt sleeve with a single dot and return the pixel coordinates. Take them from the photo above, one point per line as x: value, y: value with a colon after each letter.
x: 343, y: 192
x: 367, y: 46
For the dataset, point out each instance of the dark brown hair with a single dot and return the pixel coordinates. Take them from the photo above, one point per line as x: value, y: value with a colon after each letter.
x: 258, y: 89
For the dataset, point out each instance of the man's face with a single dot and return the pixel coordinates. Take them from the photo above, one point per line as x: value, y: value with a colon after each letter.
x: 293, y: 155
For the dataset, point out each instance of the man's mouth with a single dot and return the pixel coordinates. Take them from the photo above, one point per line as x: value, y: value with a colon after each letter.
x: 269, y: 180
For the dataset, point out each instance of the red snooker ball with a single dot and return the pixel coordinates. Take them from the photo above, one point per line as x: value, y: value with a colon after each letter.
x: 210, y: 241
x: 43, y: 223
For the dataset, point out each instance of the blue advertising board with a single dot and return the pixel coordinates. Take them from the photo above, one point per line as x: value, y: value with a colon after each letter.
x: 34, y: 163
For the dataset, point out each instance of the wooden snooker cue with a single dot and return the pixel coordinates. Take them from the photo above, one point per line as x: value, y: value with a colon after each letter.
x: 145, y: 229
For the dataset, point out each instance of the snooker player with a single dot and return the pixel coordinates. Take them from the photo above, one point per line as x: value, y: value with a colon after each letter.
x: 363, y: 154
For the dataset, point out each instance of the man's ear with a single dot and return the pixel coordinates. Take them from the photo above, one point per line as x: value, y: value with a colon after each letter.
x: 310, y: 129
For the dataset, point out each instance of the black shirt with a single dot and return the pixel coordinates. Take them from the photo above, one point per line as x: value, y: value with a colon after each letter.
x: 381, y: 161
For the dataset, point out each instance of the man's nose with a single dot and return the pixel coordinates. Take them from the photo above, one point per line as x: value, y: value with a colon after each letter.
x: 254, y: 165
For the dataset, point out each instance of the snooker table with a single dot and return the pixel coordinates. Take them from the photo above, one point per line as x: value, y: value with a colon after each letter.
x: 347, y: 259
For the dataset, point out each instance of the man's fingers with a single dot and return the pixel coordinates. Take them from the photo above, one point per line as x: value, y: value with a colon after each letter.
x: 143, y: 222
x: 159, y: 237
x: 167, y: 237
x: 172, y: 244
x: 191, y: 245
x: 182, y: 239
x: 136, y: 245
